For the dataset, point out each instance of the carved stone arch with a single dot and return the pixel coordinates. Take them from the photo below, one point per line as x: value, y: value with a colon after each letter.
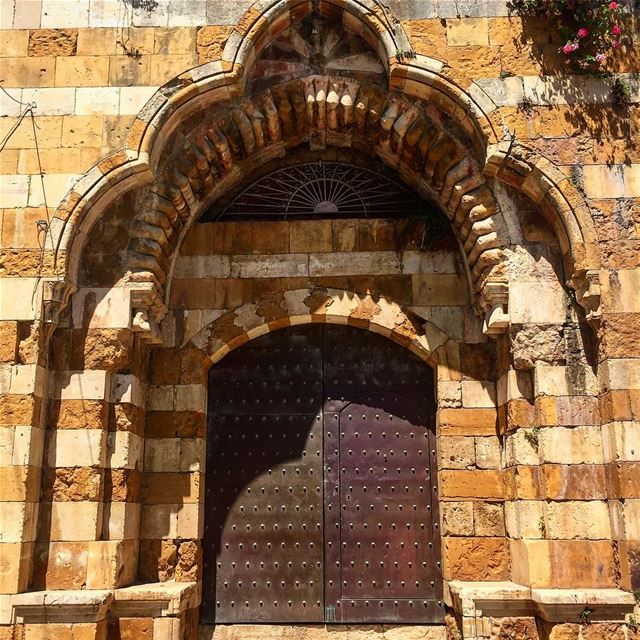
x: 421, y: 98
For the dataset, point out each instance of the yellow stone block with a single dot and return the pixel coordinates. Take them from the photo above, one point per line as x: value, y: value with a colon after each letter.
x: 28, y: 72
x: 82, y: 71
x: 468, y: 32
x: 13, y: 42
x: 163, y: 68
x: 82, y: 131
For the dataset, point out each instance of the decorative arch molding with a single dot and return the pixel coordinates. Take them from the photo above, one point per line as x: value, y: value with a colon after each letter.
x: 337, y: 306
x: 421, y: 95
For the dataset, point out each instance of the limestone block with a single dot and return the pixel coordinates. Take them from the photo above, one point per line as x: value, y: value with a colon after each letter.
x: 449, y: 394
x: 51, y: 101
x: 205, y: 266
x: 29, y: 72
x: 566, y: 520
x: 478, y: 393
x: 82, y: 131
x: 160, y: 398
x: 621, y: 441
x: 468, y: 32
x: 159, y: 521
x: 514, y: 385
x: 15, y: 190
x: 457, y: 518
x: 59, y: 14
x: 464, y: 484
x: 127, y: 388
x: 107, y: 13
x: 537, y: 302
x: 270, y: 266
x: 621, y: 290
x: 79, y: 385
x: 132, y: 99
x: 488, y: 519
x: 192, y: 454
x: 632, y: 519
x: 476, y: 559
x: 439, y: 289
x: 615, y: 181
x: 121, y: 520
x: 19, y: 521
x: 488, y: 453
x: 428, y: 262
x: 580, y: 445
x: 77, y: 448
x: 82, y: 71
x: 55, y: 187
x: 520, y: 448
x: 191, y: 397
x: 456, y: 452
x: 564, y: 381
x: 111, y: 563
x: 191, y: 520
x: 97, y: 101
x: 14, y: 43
x: 615, y: 373
x: 76, y: 520
x: 27, y: 14
x: 27, y: 446
x: 162, y: 454
x: 524, y: 519
x: 124, y: 450
x: 354, y: 263
x: 187, y: 13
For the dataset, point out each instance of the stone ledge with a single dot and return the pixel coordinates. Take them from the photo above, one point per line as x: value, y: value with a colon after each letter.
x: 162, y: 599
x: 500, y: 599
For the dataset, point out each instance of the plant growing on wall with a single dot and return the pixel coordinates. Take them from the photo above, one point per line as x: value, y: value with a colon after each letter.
x: 590, y: 29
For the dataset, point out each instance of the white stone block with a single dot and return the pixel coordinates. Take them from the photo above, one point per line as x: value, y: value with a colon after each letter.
x: 578, y: 445
x: 549, y: 380
x: 187, y: 13
x: 108, y: 13
x: 51, y: 101
x: 77, y: 448
x: 524, y: 518
x: 570, y: 520
x: 519, y: 449
x: 27, y: 15
x: 124, y: 450
x: 537, y: 303
x: 14, y: 190
x: 620, y: 290
x: 79, y: 385
x: 7, y: 8
x: 191, y: 397
x: 127, y: 388
x: 61, y: 14
x: 618, y: 373
x: 28, y: 446
x: 18, y: 521
x: 132, y: 99
x: 75, y: 520
x: 621, y: 441
x: 109, y: 308
x: 192, y: 454
x: 478, y: 393
x: 162, y: 454
x: 190, y: 520
x: 632, y: 518
x: 53, y: 185
x: 270, y: 266
x: 354, y: 263
x: 121, y: 521
x: 9, y: 107
x: 19, y: 298
x: 97, y: 101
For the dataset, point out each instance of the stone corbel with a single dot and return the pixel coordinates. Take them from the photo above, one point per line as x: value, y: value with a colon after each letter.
x: 494, y: 302
x: 586, y: 284
x: 147, y: 312
x: 55, y: 296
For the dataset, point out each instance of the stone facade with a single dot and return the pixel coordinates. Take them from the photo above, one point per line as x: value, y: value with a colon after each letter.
x: 128, y: 126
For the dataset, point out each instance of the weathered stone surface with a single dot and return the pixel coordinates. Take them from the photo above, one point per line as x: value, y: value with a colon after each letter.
x: 532, y: 344
x: 210, y: 42
x: 476, y: 559
x: 53, y: 42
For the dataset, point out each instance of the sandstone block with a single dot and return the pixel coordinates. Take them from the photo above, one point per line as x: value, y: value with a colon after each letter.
x: 28, y: 72
x: 564, y: 381
x: 567, y: 520
x: 75, y: 521
x: 53, y: 42
x: 13, y: 43
x: 439, y: 289
x: 471, y: 484
x: 574, y: 482
x: 456, y: 452
x: 81, y: 71
x: 478, y: 394
x: 620, y: 290
x: 164, y: 67
x: 82, y: 131
x: 77, y: 448
x: 457, y: 518
x: 621, y: 441
x: 621, y: 374
x: 478, y: 422
x: 467, y: 32
x: 210, y: 42
x: 488, y: 453
x: 60, y: 565
x: 525, y: 519
x: 488, y: 519
x: 127, y: 71
x: 580, y: 445
x: 476, y: 559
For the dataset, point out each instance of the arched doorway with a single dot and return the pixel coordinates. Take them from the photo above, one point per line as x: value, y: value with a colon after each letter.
x: 321, y: 495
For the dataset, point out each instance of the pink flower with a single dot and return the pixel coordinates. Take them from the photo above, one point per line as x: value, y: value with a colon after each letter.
x: 582, y: 33
x: 616, y: 44
x: 600, y: 57
x: 616, y: 30
x: 570, y: 47
x: 613, y: 6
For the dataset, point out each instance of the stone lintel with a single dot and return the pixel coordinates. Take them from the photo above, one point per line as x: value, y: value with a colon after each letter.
x: 162, y: 599
x: 506, y: 599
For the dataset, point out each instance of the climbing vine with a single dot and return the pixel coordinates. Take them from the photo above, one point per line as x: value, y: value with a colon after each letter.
x: 590, y: 29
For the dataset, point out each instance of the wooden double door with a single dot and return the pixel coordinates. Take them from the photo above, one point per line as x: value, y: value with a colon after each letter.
x: 321, y: 493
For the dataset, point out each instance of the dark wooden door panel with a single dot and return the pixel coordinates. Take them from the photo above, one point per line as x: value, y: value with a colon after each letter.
x: 321, y: 501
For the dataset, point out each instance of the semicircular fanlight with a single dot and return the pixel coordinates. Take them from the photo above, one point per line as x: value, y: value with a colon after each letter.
x: 320, y: 190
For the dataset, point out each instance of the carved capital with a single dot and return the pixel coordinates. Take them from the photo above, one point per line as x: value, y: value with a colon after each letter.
x: 586, y: 284
x: 55, y: 296
x: 494, y: 302
x: 147, y: 312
